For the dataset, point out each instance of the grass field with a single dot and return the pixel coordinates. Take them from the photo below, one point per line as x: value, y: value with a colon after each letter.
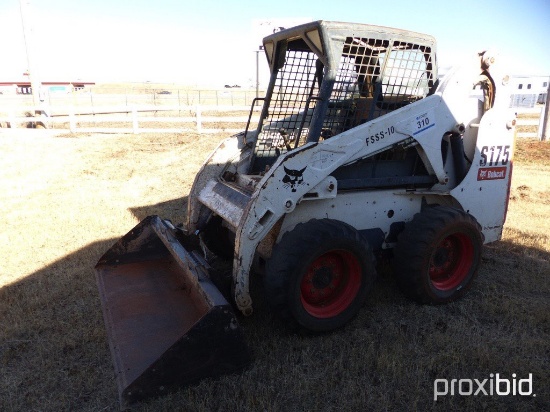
x: 65, y: 199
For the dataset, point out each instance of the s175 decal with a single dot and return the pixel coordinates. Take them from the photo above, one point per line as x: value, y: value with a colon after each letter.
x: 494, y: 155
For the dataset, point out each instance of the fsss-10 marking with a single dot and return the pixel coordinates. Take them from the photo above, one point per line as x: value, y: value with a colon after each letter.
x: 381, y: 135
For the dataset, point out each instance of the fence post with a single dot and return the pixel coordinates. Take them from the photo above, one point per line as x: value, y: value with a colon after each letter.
x: 544, y: 134
x: 72, y: 122
x: 13, y: 124
x: 199, y: 119
x: 135, y: 125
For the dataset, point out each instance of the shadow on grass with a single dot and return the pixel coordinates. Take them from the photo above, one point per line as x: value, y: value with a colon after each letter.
x: 175, y: 210
x: 54, y: 354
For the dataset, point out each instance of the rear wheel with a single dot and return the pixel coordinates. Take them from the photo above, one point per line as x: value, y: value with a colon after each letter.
x: 319, y: 274
x: 438, y: 254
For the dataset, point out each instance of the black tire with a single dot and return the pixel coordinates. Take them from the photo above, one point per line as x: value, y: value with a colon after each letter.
x: 438, y: 254
x: 319, y: 274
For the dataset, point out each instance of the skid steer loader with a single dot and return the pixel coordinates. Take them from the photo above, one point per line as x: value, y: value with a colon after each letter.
x: 360, y: 151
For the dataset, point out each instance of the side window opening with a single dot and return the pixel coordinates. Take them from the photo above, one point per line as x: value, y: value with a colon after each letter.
x: 292, y: 104
x: 376, y: 77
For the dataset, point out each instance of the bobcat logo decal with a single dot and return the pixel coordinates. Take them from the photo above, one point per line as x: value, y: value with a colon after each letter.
x: 293, y: 178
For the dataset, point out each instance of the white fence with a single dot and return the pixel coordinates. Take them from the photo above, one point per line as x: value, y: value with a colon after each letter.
x: 530, y: 118
x: 135, y: 119
x: 184, y: 118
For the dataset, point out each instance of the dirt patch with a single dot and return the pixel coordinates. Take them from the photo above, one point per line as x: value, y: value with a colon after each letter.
x: 533, y: 151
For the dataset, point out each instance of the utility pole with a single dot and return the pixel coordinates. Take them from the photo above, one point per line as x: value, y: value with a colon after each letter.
x: 258, y: 71
x: 34, y: 77
x: 545, y: 135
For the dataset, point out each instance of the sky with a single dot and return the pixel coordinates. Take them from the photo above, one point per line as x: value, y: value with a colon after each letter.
x: 206, y: 42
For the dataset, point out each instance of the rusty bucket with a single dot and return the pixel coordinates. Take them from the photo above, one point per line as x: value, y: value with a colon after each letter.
x: 167, y: 324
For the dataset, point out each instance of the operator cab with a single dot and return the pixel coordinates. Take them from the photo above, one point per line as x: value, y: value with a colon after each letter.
x: 325, y: 81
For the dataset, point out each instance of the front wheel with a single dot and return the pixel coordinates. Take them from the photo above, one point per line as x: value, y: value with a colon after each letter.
x: 438, y: 254
x: 319, y: 274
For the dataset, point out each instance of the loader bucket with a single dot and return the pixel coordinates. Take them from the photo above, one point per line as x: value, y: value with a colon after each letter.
x: 167, y: 324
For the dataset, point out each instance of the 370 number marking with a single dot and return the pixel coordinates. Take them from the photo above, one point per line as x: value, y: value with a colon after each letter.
x: 494, y: 155
x: 423, y: 123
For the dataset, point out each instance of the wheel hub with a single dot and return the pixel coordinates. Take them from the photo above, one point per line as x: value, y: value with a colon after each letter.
x: 322, y: 278
x: 330, y: 283
x: 451, y: 261
x: 443, y: 257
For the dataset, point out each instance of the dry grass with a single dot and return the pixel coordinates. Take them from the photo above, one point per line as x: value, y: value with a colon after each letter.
x: 527, y: 128
x: 66, y: 199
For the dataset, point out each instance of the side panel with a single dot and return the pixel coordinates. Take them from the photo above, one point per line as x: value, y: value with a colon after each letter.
x: 232, y: 155
x: 484, y: 191
x: 381, y: 209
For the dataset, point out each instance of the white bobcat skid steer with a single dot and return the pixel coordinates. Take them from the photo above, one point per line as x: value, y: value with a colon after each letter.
x: 359, y: 149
